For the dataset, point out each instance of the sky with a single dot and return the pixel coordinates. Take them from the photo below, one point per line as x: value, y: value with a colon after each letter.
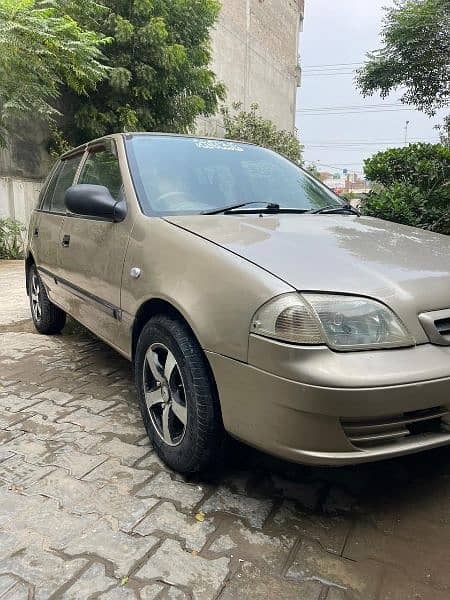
x: 338, y: 34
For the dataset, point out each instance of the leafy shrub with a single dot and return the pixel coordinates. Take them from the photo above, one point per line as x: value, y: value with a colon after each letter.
x: 411, y: 186
x: 252, y: 127
x: 11, y: 239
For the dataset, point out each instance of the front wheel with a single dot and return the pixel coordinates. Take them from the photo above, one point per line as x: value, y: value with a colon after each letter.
x: 47, y: 317
x: 177, y: 397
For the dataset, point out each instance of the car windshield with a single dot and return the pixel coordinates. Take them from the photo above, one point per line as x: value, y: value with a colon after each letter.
x: 186, y: 175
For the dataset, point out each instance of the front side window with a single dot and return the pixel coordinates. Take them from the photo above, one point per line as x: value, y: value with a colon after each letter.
x: 65, y: 179
x: 184, y: 175
x: 102, y: 168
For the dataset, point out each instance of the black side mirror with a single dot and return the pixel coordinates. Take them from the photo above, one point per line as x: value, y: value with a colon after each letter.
x: 94, y: 201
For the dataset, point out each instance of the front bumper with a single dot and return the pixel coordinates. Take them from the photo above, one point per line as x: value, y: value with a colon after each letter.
x: 309, y: 420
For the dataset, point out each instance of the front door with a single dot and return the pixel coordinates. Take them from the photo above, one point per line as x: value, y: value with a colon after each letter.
x: 47, y: 220
x: 93, y: 251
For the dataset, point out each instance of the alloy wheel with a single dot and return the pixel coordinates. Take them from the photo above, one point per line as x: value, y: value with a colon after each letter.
x: 165, y: 395
x: 35, y: 297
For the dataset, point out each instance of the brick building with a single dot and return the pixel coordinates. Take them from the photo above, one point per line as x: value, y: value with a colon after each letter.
x: 256, y: 55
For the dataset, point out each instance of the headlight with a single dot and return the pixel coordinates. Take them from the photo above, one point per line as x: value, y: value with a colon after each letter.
x: 341, y: 322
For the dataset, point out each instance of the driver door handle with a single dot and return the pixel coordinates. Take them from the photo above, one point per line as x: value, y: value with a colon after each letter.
x: 66, y: 241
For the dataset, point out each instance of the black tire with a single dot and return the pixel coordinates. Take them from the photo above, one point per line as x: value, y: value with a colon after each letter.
x: 199, y: 443
x: 47, y: 318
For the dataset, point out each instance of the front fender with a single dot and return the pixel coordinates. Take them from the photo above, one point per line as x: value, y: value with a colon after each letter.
x: 216, y: 291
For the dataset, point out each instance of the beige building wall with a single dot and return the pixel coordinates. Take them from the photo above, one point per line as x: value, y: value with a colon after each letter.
x: 256, y: 54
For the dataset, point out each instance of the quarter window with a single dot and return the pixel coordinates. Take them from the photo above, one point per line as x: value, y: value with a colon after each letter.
x: 49, y: 188
x: 102, y: 168
x: 65, y: 180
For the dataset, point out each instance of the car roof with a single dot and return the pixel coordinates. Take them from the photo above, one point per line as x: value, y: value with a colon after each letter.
x: 82, y: 147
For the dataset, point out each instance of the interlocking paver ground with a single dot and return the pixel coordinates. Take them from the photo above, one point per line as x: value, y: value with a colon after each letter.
x: 87, y: 509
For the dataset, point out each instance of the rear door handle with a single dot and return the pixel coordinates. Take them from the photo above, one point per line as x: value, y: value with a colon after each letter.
x: 66, y: 241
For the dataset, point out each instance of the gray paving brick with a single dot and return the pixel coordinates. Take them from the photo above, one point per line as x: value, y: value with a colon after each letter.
x: 360, y: 580
x: 128, y: 454
x: 150, y: 592
x: 166, y: 519
x: 367, y: 542
x: 238, y: 540
x: 55, y: 395
x: 17, y: 471
x: 45, y: 571
x: 330, y: 531
x: 399, y: 586
x: 16, y: 403
x: 93, y: 581
x: 163, y: 486
x: 173, y: 565
x: 122, y: 550
x: 119, y: 592
x: 49, y: 410
x: 102, y: 423
x: 255, y: 583
x: 90, y: 403
x: 43, y: 428
x: 85, y: 497
x: 254, y: 510
x: 113, y: 472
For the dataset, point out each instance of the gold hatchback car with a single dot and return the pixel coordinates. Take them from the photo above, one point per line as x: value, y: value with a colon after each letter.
x: 250, y: 299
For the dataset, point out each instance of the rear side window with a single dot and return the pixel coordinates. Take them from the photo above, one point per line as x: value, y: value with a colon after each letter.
x: 49, y: 188
x: 65, y: 179
x: 102, y: 168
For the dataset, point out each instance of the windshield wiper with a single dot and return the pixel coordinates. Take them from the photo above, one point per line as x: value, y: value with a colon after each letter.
x: 270, y: 208
x: 335, y: 210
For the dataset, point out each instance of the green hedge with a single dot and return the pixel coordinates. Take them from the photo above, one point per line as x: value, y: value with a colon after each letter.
x: 411, y: 185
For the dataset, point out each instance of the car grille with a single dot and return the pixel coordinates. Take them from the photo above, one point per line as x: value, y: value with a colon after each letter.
x: 369, y: 433
x: 437, y: 326
x: 443, y: 326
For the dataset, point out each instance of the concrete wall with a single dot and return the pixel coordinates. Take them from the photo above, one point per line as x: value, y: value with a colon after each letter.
x: 24, y: 164
x: 18, y: 197
x: 255, y: 53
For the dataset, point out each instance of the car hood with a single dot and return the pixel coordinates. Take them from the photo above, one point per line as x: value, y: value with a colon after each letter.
x: 405, y: 267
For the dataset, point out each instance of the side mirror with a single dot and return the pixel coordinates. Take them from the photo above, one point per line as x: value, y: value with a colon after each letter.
x: 94, y: 201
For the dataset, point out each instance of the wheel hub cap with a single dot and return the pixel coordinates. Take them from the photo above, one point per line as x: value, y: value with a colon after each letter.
x: 165, y: 393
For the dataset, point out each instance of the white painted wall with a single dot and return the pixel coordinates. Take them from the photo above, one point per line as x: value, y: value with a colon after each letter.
x: 18, y: 197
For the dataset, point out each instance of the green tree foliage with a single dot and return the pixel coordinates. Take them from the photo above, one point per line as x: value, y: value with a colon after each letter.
x: 159, y: 75
x: 411, y: 186
x: 312, y: 170
x: 444, y: 131
x: 249, y: 126
x: 41, y: 50
x: 415, y: 55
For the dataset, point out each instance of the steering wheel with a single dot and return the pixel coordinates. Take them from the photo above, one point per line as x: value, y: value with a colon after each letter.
x: 187, y: 201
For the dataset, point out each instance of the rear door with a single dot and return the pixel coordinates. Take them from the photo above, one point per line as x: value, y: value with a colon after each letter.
x: 47, y: 220
x: 93, y: 251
